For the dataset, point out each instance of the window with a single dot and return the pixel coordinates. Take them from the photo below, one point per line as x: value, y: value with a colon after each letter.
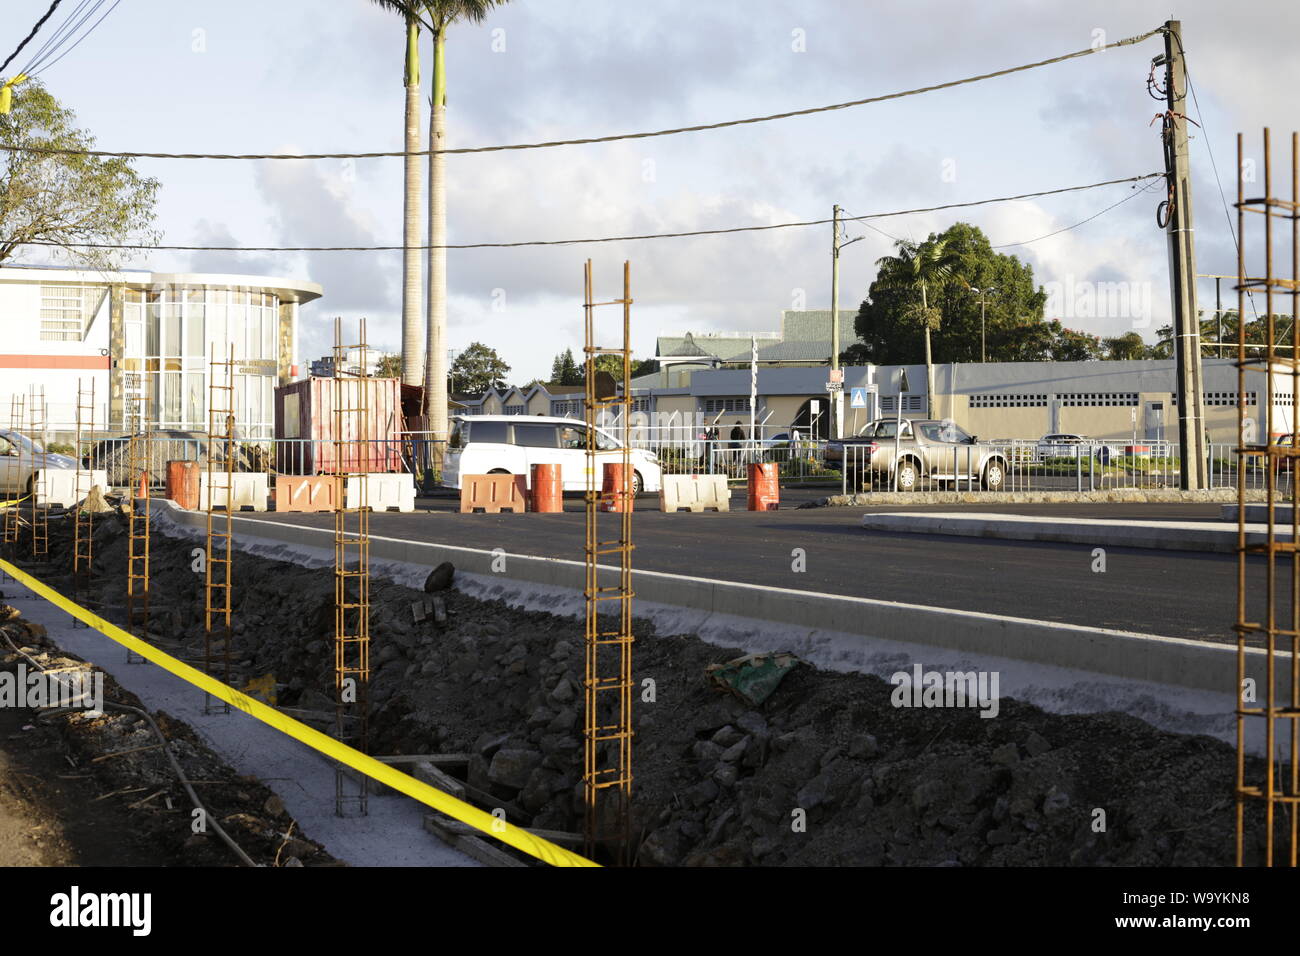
x: 514, y: 409
x: 568, y: 408
x: 945, y: 432
x: 535, y: 436
x: 711, y: 406
x: 911, y: 403
x: 68, y: 310
x: 1099, y: 399
x: 495, y: 433
x: 1007, y: 400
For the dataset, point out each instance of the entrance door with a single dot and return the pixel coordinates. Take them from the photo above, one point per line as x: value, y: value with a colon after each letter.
x: 1155, y: 421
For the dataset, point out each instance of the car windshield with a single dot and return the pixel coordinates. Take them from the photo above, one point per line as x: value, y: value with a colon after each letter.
x: 29, y: 445
x: 946, y: 432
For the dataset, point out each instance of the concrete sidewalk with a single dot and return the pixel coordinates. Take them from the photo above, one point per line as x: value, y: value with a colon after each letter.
x: 1211, y: 536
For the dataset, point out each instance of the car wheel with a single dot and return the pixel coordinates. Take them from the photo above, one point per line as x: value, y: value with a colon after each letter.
x: 638, y: 485
x: 499, y: 471
x: 907, y: 475
x: 994, y: 475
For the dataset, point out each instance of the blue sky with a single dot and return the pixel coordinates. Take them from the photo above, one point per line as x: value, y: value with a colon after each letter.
x: 310, y: 75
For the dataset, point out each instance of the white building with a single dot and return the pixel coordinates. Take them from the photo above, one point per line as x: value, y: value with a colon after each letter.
x: 148, y: 336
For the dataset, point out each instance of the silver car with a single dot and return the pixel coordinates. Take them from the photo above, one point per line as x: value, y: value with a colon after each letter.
x: 20, y: 457
x: 937, y: 451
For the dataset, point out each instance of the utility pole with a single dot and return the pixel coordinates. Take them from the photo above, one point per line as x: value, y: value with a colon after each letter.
x: 836, y: 397
x: 1182, y: 266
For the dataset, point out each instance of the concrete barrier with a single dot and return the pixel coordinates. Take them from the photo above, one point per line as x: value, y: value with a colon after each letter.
x: 1212, y: 536
x: 307, y: 493
x: 58, y: 486
x: 383, y: 492
x: 493, y: 493
x: 694, y: 493
x: 248, y: 489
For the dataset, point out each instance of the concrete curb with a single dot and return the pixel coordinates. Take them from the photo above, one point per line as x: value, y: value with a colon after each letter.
x: 1130, y: 495
x: 1170, y: 661
x: 1205, y: 536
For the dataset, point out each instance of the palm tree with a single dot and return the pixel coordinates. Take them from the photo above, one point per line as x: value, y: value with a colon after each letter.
x: 917, y: 267
x: 413, y: 333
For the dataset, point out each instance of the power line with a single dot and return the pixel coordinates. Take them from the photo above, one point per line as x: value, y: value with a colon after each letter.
x: 43, y: 59
x: 1083, y: 222
x: 28, y: 39
x: 597, y: 139
x: 592, y: 241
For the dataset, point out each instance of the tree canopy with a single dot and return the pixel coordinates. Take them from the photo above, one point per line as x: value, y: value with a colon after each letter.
x: 66, y: 200
x: 477, y: 369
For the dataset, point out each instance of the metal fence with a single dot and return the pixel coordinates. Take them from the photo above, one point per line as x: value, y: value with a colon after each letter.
x: 1028, y: 465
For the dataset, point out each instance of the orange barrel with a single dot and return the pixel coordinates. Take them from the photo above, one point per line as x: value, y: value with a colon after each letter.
x: 548, y: 490
x: 764, y: 486
x: 616, y: 491
x: 183, y: 484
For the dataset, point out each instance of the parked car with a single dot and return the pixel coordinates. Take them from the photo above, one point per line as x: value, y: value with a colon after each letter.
x: 1063, y: 445
x: 926, y: 449
x: 512, y: 444
x: 20, y: 456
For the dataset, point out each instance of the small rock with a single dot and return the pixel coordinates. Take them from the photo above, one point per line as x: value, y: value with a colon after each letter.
x: 727, y: 736
x: 735, y: 751
x: 512, y: 767
x: 753, y: 723
x: 1036, y: 745
x: 726, y: 775
x: 274, y: 806
x: 864, y: 747
x: 563, y: 691
x: 440, y: 578
x: 1007, y: 755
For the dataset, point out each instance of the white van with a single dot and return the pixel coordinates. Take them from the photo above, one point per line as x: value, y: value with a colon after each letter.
x: 512, y: 444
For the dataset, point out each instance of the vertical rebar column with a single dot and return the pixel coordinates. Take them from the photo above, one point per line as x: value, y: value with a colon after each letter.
x: 218, y: 565
x: 138, y: 516
x: 12, y: 515
x: 37, y: 426
x: 352, y: 463
x: 83, y: 539
x: 607, y: 721
x: 1274, y: 453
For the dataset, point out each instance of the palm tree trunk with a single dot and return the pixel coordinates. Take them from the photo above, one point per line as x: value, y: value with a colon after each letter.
x: 435, y: 371
x: 929, y: 361
x: 412, y: 325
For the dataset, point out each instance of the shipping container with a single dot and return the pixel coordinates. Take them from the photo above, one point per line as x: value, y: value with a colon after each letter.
x: 305, y: 426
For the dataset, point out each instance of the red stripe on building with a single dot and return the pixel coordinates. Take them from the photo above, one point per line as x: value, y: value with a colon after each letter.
x: 55, y: 361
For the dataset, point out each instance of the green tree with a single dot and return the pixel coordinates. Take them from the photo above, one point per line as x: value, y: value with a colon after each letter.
x: 887, y: 326
x: 67, y: 200
x: 1127, y: 346
x: 389, y: 366
x: 437, y: 17
x: 477, y: 369
x: 914, y: 271
x: 413, y: 328
x: 564, y: 370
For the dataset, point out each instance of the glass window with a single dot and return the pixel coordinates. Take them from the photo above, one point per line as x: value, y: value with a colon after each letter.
x: 194, y: 417
x: 235, y: 329
x: 535, y: 436
x: 270, y: 325
x: 171, y: 398
x: 218, y: 344
x: 171, y: 330
x: 492, y: 433
x: 887, y: 430
x: 134, y: 338
x: 218, y: 296
x: 194, y: 315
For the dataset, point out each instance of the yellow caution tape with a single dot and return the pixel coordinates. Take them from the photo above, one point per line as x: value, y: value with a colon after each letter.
x: 7, y: 92
x: 494, y: 827
x: 14, y: 501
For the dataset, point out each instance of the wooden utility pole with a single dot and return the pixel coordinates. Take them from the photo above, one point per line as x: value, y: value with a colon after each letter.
x: 1182, y: 266
x: 836, y: 398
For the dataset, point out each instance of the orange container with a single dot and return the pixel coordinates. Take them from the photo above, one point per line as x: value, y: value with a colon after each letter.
x: 616, y: 489
x: 548, y: 489
x: 764, y: 486
x: 183, y: 483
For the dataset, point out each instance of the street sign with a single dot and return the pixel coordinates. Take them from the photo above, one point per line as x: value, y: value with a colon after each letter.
x: 834, y: 386
x: 837, y: 375
x: 814, y: 407
x: 859, y: 397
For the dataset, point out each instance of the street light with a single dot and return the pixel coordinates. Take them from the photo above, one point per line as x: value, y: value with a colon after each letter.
x: 982, y: 293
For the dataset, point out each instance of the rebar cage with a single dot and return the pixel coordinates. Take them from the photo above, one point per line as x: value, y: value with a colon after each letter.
x: 219, y: 553
x: 607, y: 721
x: 1268, y: 590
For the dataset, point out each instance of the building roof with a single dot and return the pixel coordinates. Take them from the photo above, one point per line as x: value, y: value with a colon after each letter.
x: 288, y: 290
x: 805, y: 336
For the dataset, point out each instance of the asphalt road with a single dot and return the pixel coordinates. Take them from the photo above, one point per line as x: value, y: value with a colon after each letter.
x: 1177, y: 594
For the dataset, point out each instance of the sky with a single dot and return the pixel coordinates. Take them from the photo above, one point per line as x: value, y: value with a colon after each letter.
x: 326, y: 76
